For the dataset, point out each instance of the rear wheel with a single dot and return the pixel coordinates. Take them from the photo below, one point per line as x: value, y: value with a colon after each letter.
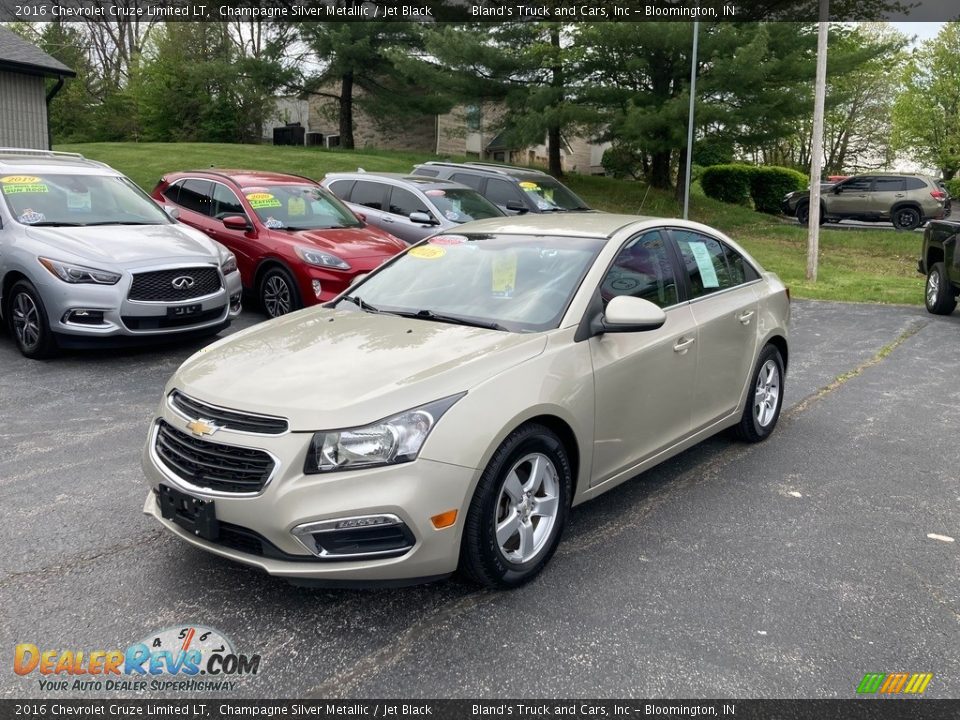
x: 803, y: 214
x: 765, y: 398
x: 28, y: 322
x: 938, y: 295
x: 906, y: 218
x: 278, y: 292
x: 519, y: 509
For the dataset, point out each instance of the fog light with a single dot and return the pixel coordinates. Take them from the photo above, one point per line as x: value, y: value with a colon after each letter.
x: 81, y: 316
x: 316, y: 288
x: 235, y: 303
x: 444, y: 519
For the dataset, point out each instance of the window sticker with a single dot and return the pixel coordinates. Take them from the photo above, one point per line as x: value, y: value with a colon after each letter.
x: 451, y: 215
x: 261, y: 200
x: 427, y: 252
x: 296, y: 206
x: 19, y: 180
x: 31, y: 217
x: 24, y: 188
x: 435, y: 193
x: 272, y: 223
x: 705, y: 264
x: 504, y: 275
x: 448, y: 240
x: 526, y: 185
x: 79, y: 201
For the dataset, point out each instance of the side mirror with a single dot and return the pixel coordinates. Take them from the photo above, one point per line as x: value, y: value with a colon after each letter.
x: 628, y: 314
x: 173, y: 212
x: 423, y: 218
x: 517, y: 207
x: 837, y: 189
x: 236, y: 222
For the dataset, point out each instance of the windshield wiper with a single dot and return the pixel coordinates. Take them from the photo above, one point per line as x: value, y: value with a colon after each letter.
x: 118, y: 222
x: 53, y: 223
x: 358, y: 301
x: 453, y: 319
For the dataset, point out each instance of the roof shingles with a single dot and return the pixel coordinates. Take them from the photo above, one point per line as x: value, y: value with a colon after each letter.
x: 18, y: 55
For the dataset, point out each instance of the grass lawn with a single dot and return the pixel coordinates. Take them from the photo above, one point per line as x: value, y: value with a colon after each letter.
x: 855, y: 265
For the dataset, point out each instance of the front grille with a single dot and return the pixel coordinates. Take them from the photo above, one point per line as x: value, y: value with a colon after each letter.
x: 231, y: 419
x: 224, y: 468
x: 163, y: 322
x: 158, y: 286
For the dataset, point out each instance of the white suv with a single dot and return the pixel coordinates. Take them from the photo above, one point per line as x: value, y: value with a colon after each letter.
x: 85, y: 255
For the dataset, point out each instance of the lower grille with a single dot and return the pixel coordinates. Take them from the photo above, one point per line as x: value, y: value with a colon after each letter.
x: 162, y: 322
x: 174, y: 285
x: 365, y: 541
x: 204, y: 464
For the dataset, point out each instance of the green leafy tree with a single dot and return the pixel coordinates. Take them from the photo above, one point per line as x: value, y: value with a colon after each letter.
x: 926, y: 112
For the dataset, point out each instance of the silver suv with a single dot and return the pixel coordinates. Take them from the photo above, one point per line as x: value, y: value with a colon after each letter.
x: 86, y: 256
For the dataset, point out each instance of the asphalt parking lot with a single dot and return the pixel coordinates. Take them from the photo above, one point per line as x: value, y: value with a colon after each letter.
x: 786, y: 569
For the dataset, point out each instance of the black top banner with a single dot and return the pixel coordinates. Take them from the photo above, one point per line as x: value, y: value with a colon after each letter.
x: 218, y: 709
x: 479, y: 10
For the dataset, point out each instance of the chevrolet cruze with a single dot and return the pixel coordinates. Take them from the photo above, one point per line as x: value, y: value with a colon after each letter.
x: 447, y: 411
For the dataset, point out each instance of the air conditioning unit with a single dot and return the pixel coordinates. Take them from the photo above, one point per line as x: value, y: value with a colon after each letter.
x: 332, y: 141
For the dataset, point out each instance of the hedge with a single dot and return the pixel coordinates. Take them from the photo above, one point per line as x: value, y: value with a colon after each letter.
x: 766, y: 186
x: 953, y: 187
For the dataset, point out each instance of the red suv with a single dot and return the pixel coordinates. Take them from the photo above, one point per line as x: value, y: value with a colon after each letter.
x: 296, y: 243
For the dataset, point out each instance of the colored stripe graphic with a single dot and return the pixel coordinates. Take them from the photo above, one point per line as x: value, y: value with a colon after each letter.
x: 871, y: 683
x: 918, y: 683
x: 894, y: 683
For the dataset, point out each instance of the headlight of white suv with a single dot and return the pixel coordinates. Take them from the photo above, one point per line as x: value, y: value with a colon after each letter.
x: 78, y: 273
x: 390, y: 441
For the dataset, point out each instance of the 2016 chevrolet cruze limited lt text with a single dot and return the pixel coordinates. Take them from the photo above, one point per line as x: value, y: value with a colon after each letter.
x: 446, y: 411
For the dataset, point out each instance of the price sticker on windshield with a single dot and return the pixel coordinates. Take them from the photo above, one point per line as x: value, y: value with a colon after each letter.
x: 14, y: 184
x: 504, y: 275
x: 262, y: 200
x: 427, y: 252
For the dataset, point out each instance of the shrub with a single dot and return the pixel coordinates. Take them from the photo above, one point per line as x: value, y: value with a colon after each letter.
x: 727, y: 183
x: 769, y: 184
x: 621, y: 161
x: 953, y: 187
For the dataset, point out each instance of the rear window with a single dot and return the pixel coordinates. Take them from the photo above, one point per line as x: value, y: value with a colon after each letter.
x: 915, y: 183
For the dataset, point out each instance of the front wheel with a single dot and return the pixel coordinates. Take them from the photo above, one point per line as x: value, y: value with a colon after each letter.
x: 938, y: 296
x: 519, y: 509
x: 764, y: 399
x: 803, y: 214
x: 278, y: 292
x: 906, y: 218
x: 28, y: 322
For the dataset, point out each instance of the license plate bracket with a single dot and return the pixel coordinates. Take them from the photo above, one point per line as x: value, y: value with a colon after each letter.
x: 184, y: 310
x: 195, y: 515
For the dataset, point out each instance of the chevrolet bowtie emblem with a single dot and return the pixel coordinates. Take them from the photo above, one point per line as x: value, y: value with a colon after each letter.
x: 202, y: 427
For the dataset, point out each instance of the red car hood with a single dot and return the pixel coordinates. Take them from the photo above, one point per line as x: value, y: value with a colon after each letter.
x: 349, y: 243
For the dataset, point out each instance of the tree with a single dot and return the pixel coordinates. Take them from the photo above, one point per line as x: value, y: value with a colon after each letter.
x: 926, y: 112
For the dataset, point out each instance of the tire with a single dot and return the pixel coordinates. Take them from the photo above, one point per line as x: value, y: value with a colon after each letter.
x: 27, y: 319
x: 906, y: 218
x: 803, y: 214
x: 760, y: 419
x: 528, y: 539
x: 277, y: 293
x: 938, y: 292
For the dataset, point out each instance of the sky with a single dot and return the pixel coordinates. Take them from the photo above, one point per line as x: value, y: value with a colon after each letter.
x: 923, y: 30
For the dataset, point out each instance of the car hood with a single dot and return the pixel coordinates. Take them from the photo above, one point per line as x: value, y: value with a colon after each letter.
x: 348, y: 243
x: 126, y: 245
x: 325, y: 369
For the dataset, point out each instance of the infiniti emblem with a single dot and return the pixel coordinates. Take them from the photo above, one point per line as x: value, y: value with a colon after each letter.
x: 183, y: 282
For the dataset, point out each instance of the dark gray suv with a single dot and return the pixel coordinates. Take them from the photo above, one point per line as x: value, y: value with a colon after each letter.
x: 514, y: 190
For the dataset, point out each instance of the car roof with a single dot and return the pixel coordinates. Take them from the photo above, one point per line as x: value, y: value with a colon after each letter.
x: 421, y: 182
x: 22, y: 160
x: 244, y: 178
x: 586, y: 224
x: 489, y: 169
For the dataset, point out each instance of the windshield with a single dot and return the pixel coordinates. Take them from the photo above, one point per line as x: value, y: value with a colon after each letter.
x: 299, y: 207
x: 519, y: 283
x: 461, y: 205
x: 78, y: 200
x: 550, y: 195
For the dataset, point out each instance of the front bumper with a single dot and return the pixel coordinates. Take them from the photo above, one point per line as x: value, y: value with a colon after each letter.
x: 413, y: 492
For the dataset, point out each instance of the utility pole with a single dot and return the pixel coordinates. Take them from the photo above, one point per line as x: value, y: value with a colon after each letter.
x: 816, y: 149
x: 693, y: 93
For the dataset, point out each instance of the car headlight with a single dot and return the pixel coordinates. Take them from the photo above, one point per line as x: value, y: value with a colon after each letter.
x: 390, y: 441
x: 321, y: 259
x: 228, y: 263
x: 79, y: 274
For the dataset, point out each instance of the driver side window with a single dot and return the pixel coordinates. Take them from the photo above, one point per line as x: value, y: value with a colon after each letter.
x: 642, y: 269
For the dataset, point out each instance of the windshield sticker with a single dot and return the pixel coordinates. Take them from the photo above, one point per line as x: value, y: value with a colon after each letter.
x: 272, y: 223
x: 504, y: 275
x: 543, y: 205
x: 705, y: 264
x: 452, y: 215
x: 529, y: 185
x: 19, y: 180
x: 435, y: 193
x: 448, y: 240
x: 296, y: 206
x: 262, y: 200
x: 427, y: 252
x: 14, y: 189
x: 79, y: 201
x: 31, y: 217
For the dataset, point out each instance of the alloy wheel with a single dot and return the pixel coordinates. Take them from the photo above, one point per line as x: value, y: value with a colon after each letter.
x: 933, y: 288
x: 767, y: 393
x: 26, y: 321
x: 276, y: 296
x: 527, y: 508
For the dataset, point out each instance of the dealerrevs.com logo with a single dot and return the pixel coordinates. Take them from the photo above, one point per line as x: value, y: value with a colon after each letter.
x: 187, y: 658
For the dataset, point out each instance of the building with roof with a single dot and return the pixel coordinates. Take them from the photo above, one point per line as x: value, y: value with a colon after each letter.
x: 24, y: 98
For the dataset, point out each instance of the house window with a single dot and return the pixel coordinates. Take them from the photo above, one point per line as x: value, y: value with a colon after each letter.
x: 474, y: 118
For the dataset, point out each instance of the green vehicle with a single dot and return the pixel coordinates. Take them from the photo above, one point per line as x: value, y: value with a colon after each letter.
x: 905, y: 200
x: 940, y: 262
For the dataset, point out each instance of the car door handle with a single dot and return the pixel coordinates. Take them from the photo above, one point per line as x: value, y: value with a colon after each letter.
x: 900, y: 195
x: 683, y: 344
x: 387, y: 219
x: 745, y: 316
